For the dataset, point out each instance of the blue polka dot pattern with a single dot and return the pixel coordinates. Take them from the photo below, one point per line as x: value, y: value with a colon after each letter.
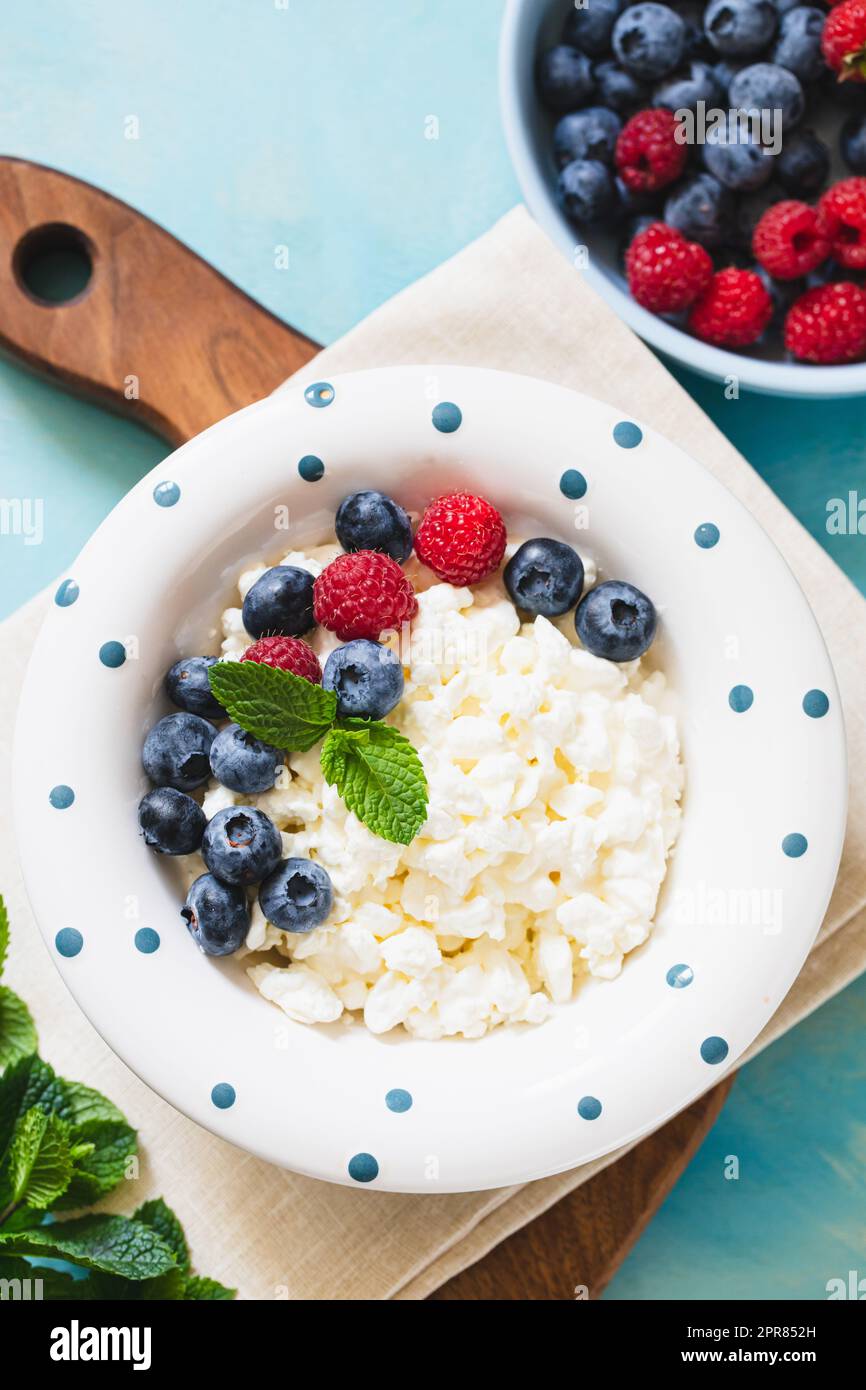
x: 794, y: 845
x: 320, y: 394
x: 61, y: 797
x: 741, y: 698
x: 815, y: 704
x: 310, y: 468
x: 363, y: 1168
x: 146, y: 941
x: 398, y: 1101
x: 627, y: 435
x: 680, y: 976
x: 447, y: 417
x: 572, y: 484
x: 67, y: 593
x: 714, y: 1050
x: 166, y: 494
x: 112, y: 654
x: 588, y: 1108
x: 223, y: 1095
x: 707, y: 535
x: 68, y: 942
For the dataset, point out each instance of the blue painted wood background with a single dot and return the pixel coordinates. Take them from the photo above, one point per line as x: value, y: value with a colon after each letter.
x: 299, y: 123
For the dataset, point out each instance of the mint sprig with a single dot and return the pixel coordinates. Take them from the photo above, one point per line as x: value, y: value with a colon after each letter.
x: 276, y: 706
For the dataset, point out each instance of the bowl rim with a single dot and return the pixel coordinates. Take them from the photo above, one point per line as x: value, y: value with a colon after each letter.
x: 770, y: 378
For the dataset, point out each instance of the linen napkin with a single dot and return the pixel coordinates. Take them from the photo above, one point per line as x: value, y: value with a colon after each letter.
x: 511, y: 301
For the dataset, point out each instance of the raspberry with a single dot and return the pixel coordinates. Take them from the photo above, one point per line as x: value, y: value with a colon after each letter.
x: 665, y: 272
x: 843, y: 41
x: 733, y: 311
x: 648, y: 154
x: 843, y: 214
x: 461, y: 538
x: 362, y: 594
x: 828, y: 324
x: 790, y: 240
x: 286, y: 654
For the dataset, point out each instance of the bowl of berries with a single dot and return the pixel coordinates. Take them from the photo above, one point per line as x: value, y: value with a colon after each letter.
x: 704, y: 166
x: 401, y: 782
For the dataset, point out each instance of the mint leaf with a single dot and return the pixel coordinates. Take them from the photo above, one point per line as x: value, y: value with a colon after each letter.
x: 4, y: 933
x: 79, y: 1104
x: 38, y: 1164
x: 380, y: 777
x: 160, y: 1217
x: 17, y: 1029
x: 199, y: 1289
x: 277, y: 706
x: 113, y: 1244
x: 26, y: 1083
x: 101, y: 1150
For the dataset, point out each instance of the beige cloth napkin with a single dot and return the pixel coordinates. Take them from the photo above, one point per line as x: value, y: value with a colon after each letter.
x: 508, y: 301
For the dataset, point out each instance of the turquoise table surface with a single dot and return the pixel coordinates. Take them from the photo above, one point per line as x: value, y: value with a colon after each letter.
x: 256, y: 125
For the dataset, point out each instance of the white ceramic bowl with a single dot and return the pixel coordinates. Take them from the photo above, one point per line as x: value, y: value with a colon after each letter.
x: 528, y: 27
x: 503, y: 1109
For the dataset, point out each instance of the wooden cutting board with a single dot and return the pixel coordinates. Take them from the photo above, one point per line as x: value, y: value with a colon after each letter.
x: 159, y: 336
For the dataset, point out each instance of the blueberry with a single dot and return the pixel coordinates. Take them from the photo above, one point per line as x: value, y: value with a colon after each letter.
x: 649, y: 39
x: 737, y: 160
x: 803, y: 164
x: 544, y: 576
x: 241, y: 845
x: 590, y: 28
x: 616, y: 621
x: 586, y: 190
x: 683, y: 89
x: 176, y: 752
x: 750, y: 209
x: 366, y: 677
x: 171, y: 822
x: 373, y: 521
x: 798, y: 46
x: 767, y: 87
x: 280, y: 603
x: 618, y: 89
x: 740, y: 28
x: 587, y: 134
x: 702, y: 209
x: 563, y: 76
x: 852, y: 143
x: 243, y: 763
x: 696, y: 45
x: 187, y: 686
x: 725, y: 73
x: 631, y: 202
x: 297, y: 896
x: 216, y: 915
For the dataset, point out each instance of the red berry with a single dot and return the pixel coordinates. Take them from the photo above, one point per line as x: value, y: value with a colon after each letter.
x: 790, y: 240
x: 828, y: 324
x: 461, y: 538
x: 733, y: 311
x: 648, y: 154
x: 843, y: 40
x: 842, y: 211
x: 665, y: 272
x: 362, y: 594
x: 286, y: 654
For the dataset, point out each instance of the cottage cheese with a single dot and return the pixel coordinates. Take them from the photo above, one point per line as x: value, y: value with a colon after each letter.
x: 555, y: 780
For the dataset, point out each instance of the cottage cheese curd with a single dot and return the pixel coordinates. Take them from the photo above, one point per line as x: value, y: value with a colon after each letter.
x: 554, y: 779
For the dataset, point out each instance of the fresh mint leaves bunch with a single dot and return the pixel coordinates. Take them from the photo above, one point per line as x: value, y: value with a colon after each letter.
x: 63, y: 1147
x: 374, y: 767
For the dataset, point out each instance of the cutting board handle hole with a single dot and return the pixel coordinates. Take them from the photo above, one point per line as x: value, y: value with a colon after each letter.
x: 53, y: 264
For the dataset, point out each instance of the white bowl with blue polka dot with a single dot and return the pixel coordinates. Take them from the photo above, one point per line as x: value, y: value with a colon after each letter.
x: 764, y: 805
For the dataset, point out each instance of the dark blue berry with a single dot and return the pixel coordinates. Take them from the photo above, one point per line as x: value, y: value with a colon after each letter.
x: 373, y: 521
x: 767, y: 87
x: 736, y: 160
x: 702, y: 209
x: 618, y: 89
x: 590, y: 28
x: 297, y: 896
x: 563, y: 76
x: 544, y: 576
x: 216, y: 915
x: 616, y: 621
x: 798, y: 46
x: 740, y: 28
x: 696, y: 45
x: 803, y: 164
x: 683, y: 89
x: 241, y: 845
x: 366, y: 678
x: 280, y: 604
x: 587, y: 134
x: 649, y: 40
x: 176, y: 752
x: 749, y: 211
x: 171, y: 822
x: 586, y: 190
x: 852, y: 143
x: 187, y: 686
x: 244, y: 763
